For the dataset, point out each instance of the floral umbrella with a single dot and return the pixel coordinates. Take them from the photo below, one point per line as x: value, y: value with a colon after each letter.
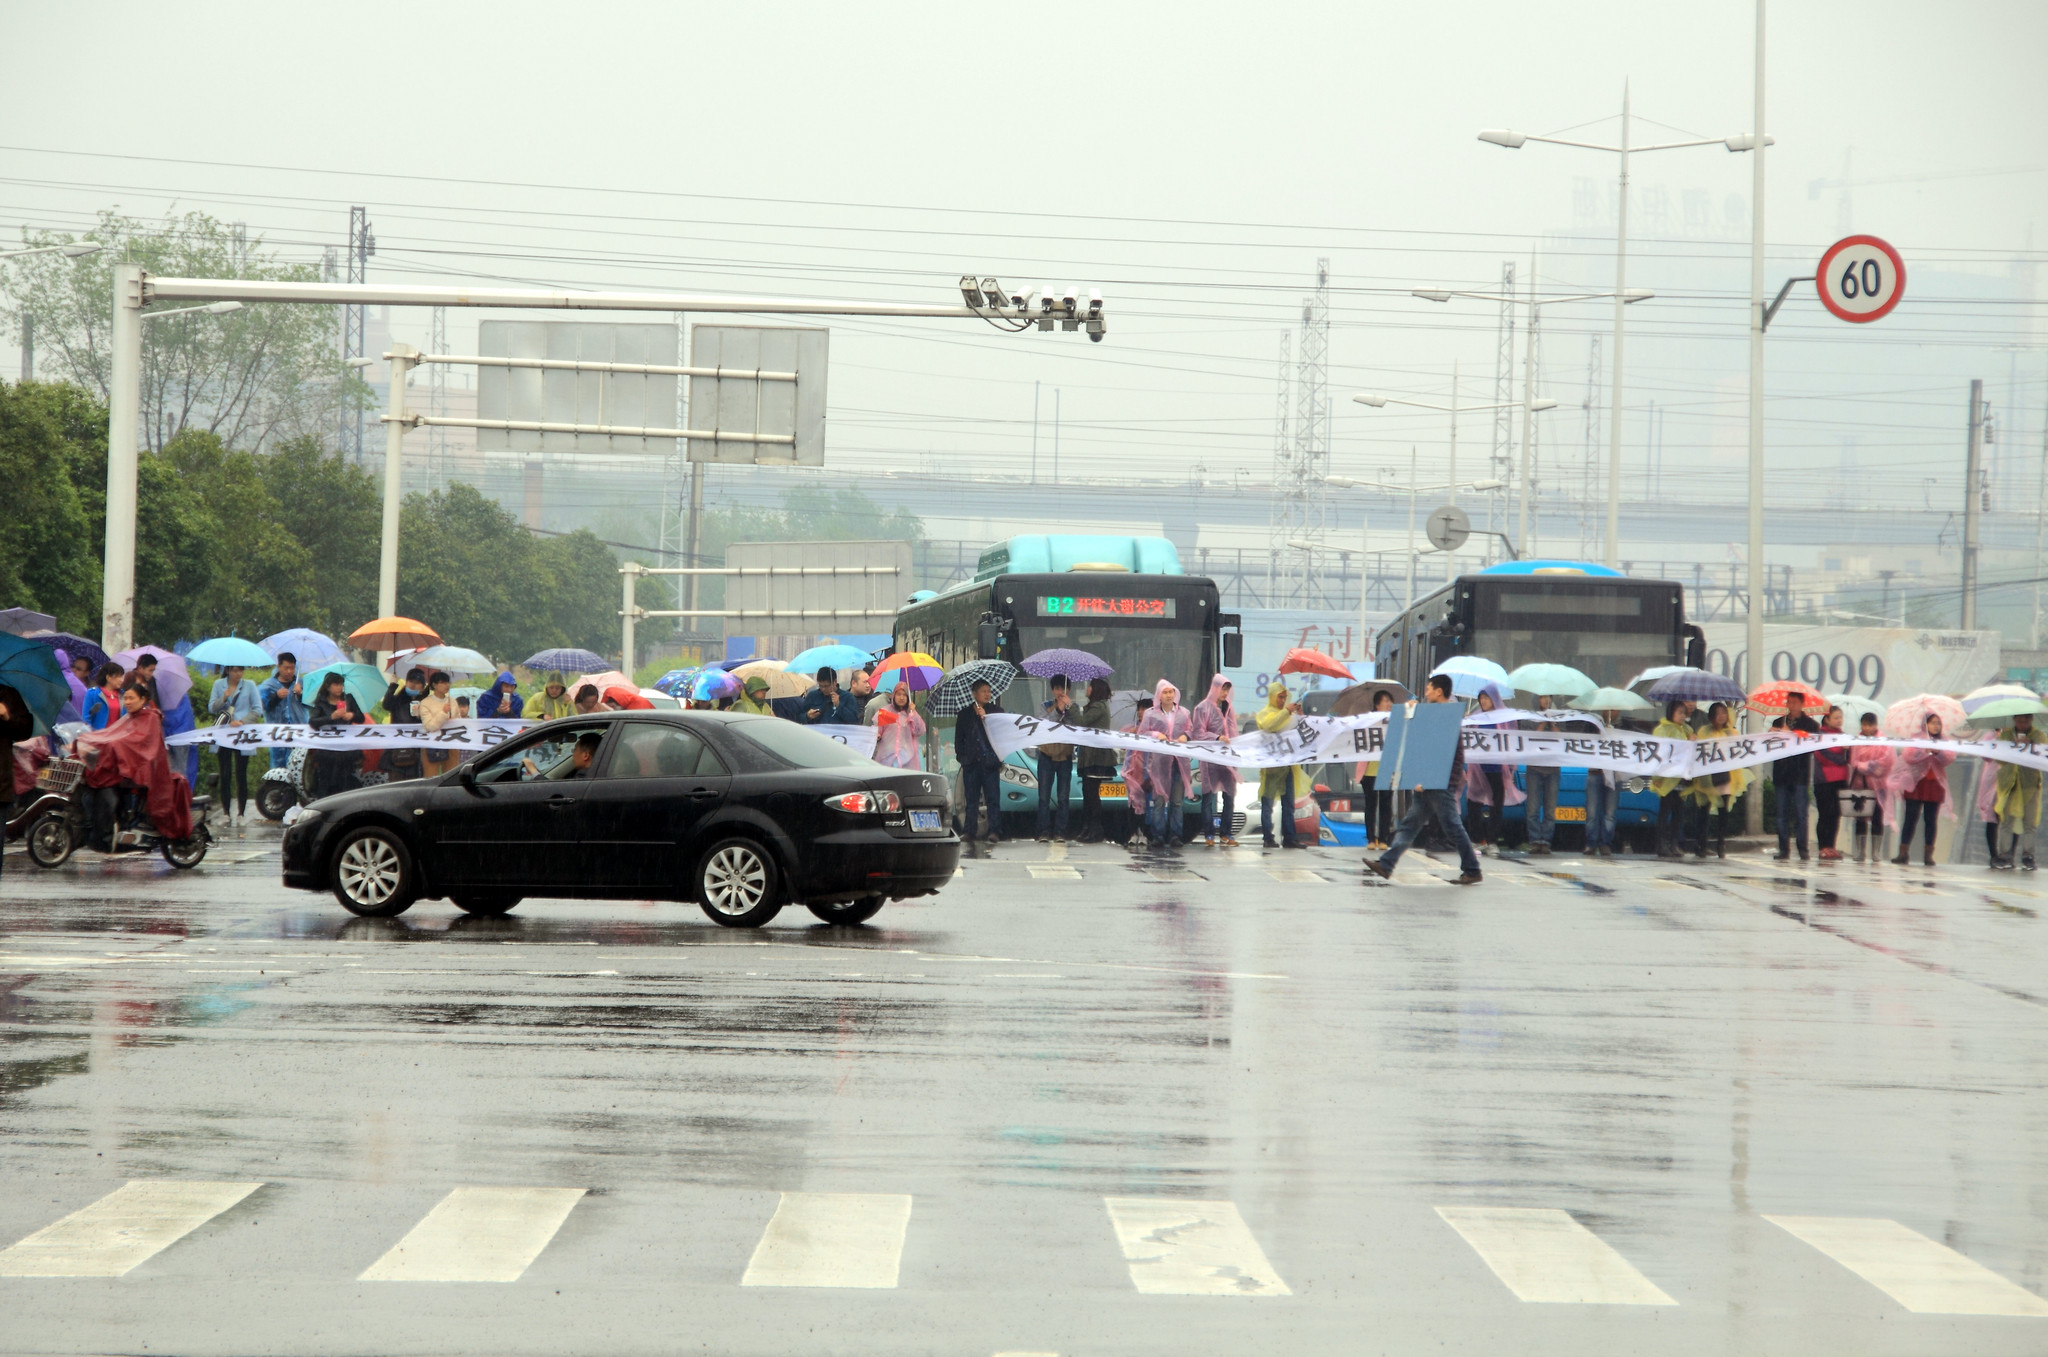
x: 1770, y: 699
x: 1070, y: 664
x: 1907, y: 718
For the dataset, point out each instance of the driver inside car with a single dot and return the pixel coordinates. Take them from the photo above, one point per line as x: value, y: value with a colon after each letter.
x: 576, y: 765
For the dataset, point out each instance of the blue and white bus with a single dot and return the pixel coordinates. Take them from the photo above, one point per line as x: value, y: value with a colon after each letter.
x: 1124, y: 599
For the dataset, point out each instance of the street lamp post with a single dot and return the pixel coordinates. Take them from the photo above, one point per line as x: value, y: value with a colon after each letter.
x: 1514, y: 141
x: 1353, y: 483
x: 1377, y: 401
x: 74, y: 251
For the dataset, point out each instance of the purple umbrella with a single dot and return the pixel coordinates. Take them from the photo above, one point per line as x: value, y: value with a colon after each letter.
x: 1696, y: 685
x: 1073, y: 664
x: 72, y: 645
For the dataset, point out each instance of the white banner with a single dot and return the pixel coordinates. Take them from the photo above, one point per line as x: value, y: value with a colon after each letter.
x: 355, y: 739
x: 860, y: 739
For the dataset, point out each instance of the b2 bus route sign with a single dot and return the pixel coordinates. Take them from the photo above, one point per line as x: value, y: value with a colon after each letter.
x: 1861, y: 279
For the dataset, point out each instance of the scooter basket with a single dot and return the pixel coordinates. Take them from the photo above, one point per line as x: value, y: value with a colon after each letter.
x: 60, y: 776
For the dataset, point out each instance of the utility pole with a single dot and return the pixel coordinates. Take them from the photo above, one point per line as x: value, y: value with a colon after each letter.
x: 1055, y: 435
x: 1034, y: 433
x: 1754, y: 640
x: 361, y: 245
x: 1973, y: 500
x: 2040, y: 518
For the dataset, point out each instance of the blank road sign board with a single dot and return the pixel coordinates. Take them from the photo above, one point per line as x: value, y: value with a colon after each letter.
x: 556, y: 396
x: 738, y: 402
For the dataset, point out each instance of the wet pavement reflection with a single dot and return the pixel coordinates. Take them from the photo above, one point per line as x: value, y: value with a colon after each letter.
x: 1210, y: 1100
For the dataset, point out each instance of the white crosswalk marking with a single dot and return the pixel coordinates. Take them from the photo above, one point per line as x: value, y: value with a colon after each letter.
x: 477, y: 1234
x: 1545, y: 1255
x: 125, y: 1228
x: 1925, y: 1276
x: 1056, y: 871
x: 851, y: 1239
x: 1295, y: 875
x: 1191, y: 1248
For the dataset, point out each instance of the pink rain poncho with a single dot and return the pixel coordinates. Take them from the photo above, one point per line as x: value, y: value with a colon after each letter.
x: 897, y: 736
x: 1215, y: 718
x: 1164, y: 775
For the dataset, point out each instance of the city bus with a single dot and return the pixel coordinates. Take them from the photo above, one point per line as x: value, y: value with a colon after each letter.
x: 1123, y: 599
x: 1599, y: 621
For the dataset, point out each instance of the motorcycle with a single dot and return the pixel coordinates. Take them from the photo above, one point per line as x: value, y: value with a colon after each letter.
x: 57, y: 818
x: 292, y: 785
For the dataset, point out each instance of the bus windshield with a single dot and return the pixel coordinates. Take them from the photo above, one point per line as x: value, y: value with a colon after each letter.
x: 1141, y: 656
x: 1609, y: 658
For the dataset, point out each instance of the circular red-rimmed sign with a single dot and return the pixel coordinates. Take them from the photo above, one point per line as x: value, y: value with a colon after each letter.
x: 1861, y: 279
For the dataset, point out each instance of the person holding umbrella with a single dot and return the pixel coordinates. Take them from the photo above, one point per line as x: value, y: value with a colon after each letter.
x: 281, y: 702
x: 980, y: 766
x: 1055, y: 767
x: 1096, y: 765
x: 332, y: 706
x: 899, y: 730
x: 1793, y: 777
x: 2019, y: 796
x: 553, y: 702
x: 1921, y: 776
x: 233, y: 702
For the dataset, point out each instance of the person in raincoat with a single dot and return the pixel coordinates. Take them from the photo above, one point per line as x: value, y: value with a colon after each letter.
x: 1489, y: 790
x: 502, y: 700
x: 436, y: 710
x: 1669, y: 790
x: 1134, y: 780
x: 1166, y: 777
x: 2018, y: 798
x: 1716, y: 794
x: 553, y: 702
x: 899, y: 731
x: 753, y: 699
x: 1868, y: 769
x: 1214, y: 718
x: 1921, y: 777
x: 1278, y: 784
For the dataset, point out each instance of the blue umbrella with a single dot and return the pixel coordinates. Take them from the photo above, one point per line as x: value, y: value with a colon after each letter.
x: 223, y: 651
x: 811, y: 661
x: 72, y: 645
x: 568, y: 661
x: 32, y: 670
x: 1472, y: 674
x: 727, y: 666
x: 310, y: 648
x: 711, y: 685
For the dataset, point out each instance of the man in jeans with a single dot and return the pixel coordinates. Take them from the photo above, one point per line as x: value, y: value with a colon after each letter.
x: 1439, y: 805
x: 981, y: 772
x: 1055, y: 770
x: 1541, y: 785
x: 1793, y: 778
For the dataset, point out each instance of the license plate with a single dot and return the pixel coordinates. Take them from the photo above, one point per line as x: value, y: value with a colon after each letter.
x: 1571, y: 812
x: 925, y: 822
x: 1115, y: 789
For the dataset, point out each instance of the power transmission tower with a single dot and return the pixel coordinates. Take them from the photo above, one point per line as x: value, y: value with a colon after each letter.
x: 437, y: 398
x: 1503, y: 468
x: 1279, y: 519
x: 1311, y: 461
x: 238, y: 246
x: 361, y: 245
x: 1589, y: 408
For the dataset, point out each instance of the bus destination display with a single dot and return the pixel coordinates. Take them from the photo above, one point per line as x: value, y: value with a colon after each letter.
x: 1080, y: 605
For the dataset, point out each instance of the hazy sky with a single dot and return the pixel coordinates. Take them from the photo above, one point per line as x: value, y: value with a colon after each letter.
x: 1192, y: 160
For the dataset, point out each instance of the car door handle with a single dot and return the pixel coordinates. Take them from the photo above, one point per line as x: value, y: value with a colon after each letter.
x: 559, y: 801
x: 704, y: 793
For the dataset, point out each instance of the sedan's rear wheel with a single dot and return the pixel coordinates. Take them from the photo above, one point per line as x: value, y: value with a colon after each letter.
x: 487, y: 905
x: 736, y: 883
x: 849, y: 911
x: 373, y: 874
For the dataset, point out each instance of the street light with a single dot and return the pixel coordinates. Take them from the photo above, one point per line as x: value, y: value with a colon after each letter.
x: 1628, y: 297
x: 1514, y: 141
x: 1365, y: 522
x: 77, y: 251
x: 212, y: 309
x: 1377, y: 401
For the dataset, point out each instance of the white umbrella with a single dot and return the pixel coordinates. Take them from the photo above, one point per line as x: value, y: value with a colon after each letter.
x: 1854, y: 709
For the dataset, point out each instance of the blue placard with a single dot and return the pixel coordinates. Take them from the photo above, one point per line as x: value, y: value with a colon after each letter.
x: 1421, y: 743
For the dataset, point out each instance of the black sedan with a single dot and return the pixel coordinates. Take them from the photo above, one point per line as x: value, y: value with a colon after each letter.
x: 743, y: 814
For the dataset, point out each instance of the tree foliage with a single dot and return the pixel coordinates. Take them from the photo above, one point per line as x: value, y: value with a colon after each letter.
x: 47, y: 560
x: 250, y: 377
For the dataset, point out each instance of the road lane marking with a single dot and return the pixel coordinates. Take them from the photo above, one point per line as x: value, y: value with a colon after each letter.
x: 848, y: 1239
x: 1055, y: 852
x: 477, y: 1234
x: 1296, y: 875
x: 1052, y: 872
x: 121, y: 1230
x: 1191, y: 1248
x: 1173, y: 874
x: 1926, y: 1277
x: 1545, y: 1255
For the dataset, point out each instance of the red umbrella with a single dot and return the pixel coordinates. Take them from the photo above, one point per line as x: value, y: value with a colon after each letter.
x: 1301, y: 661
x: 1770, y: 698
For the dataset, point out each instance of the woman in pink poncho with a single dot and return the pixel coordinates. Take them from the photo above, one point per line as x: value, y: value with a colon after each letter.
x: 1921, y: 777
x: 1868, y: 770
x: 1166, y: 777
x: 1214, y: 718
x: 899, y: 731
x: 1489, y: 789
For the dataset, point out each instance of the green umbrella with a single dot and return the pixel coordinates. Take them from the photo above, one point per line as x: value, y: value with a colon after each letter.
x: 1612, y: 699
x: 1551, y: 680
x: 2002, y: 709
x: 360, y: 681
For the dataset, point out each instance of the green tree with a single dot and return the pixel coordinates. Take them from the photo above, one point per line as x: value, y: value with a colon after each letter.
x: 252, y: 377
x: 48, y: 559
x: 263, y: 577
x: 583, y: 608
x: 333, y: 509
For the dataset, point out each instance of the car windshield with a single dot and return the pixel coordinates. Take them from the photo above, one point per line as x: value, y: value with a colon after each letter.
x: 792, y: 746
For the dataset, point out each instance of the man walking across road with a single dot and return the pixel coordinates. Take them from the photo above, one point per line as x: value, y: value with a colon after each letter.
x: 1435, y: 805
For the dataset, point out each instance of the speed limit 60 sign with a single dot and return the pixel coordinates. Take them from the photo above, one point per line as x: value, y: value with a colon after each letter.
x: 1861, y: 279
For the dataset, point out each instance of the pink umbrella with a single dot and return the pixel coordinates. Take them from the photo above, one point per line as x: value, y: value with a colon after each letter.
x: 173, y: 680
x: 1906, y: 719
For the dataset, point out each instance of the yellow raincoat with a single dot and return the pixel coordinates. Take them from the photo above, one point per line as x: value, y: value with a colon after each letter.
x: 1668, y: 729
x: 2019, y: 787
x: 1702, y: 790
x: 541, y: 707
x: 1275, y: 782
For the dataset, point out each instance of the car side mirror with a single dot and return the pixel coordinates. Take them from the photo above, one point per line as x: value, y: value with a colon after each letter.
x: 466, y: 775
x: 1233, y: 650
x: 988, y: 640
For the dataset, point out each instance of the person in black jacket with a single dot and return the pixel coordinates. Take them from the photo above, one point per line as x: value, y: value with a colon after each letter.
x: 404, y: 706
x: 980, y: 770
x: 332, y: 706
x: 825, y: 705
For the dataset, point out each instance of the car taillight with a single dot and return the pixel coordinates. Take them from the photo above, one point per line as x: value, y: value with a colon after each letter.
x: 866, y: 803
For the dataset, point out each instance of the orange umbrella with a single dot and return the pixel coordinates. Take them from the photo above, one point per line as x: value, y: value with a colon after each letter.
x: 1770, y: 699
x: 393, y: 633
x: 1302, y: 661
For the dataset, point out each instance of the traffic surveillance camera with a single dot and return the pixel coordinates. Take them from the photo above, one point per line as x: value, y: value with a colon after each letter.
x: 1019, y: 300
x: 1095, y: 327
x: 992, y: 290
x: 970, y: 291
x: 1070, y: 301
x: 1046, y: 301
x: 1094, y: 301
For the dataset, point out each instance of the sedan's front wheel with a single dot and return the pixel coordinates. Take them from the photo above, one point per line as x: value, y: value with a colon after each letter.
x: 373, y: 874
x: 736, y: 882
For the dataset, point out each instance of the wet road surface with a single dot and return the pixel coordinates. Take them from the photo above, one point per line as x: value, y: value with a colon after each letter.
x: 1082, y: 1102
